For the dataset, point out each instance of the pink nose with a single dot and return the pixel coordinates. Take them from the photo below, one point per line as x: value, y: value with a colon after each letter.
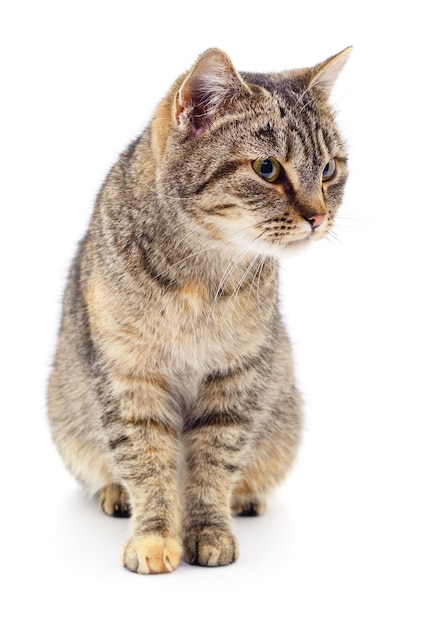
x: 315, y: 219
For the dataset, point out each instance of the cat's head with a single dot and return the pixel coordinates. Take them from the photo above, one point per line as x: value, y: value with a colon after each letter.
x: 257, y: 159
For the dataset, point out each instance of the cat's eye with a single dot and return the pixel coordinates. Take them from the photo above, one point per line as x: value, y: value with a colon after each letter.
x: 268, y: 169
x: 329, y: 171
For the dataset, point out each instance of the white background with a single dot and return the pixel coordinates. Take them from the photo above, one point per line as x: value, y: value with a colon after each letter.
x: 343, y: 541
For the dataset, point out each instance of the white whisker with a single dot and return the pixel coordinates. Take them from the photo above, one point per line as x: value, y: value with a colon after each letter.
x: 232, y: 265
x: 259, y: 269
x: 262, y: 265
x: 234, y: 295
x: 231, y: 239
x: 189, y: 234
x: 350, y: 222
x: 333, y: 238
x: 307, y: 103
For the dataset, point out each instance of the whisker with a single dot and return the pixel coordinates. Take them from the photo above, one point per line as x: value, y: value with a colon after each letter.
x: 316, y: 82
x: 262, y: 265
x: 190, y: 234
x: 232, y: 265
x: 307, y: 103
x: 233, y: 297
x: 333, y: 238
x: 193, y: 254
x: 208, y: 248
x: 351, y: 222
x: 167, y: 196
x: 257, y: 276
x: 259, y: 267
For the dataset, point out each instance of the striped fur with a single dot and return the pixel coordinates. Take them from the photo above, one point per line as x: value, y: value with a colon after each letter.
x: 172, y: 394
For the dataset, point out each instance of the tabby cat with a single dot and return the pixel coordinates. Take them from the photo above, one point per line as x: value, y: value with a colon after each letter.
x: 172, y: 395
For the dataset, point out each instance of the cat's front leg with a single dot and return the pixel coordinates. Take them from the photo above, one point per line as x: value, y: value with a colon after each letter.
x: 213, y: 452
x: 144, y: 448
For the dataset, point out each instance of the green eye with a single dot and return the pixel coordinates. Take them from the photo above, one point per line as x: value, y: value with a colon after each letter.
x: 329, y: 170
x: 268, y: 169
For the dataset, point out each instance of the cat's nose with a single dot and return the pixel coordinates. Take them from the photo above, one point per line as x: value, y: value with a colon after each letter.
x: 315, y: 219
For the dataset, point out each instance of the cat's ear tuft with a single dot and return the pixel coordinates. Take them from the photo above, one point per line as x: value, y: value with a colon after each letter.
x: 324, y: 75
x: 209, y: 89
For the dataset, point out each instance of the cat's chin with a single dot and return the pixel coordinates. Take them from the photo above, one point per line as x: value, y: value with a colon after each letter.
x: 296, y: 247
x: 290, y: 248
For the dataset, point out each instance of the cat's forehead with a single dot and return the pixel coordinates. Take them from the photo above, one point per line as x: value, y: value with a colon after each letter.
x: 283, y: 84
x: 284, y: 121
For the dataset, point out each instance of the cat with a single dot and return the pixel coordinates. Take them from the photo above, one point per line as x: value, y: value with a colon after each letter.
x: 172, y: 395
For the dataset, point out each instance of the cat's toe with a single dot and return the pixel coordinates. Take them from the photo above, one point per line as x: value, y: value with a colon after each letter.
x: 210, y: 547
x: 114, y: 501
x: 152, y: 554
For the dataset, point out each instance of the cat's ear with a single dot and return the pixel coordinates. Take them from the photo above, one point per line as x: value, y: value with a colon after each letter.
x: 323, y: 76
x: 208, y: 91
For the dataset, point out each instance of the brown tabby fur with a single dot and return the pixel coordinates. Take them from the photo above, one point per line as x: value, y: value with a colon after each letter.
x: 172, y: 393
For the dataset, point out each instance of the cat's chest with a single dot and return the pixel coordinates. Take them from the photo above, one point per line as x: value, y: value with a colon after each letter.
x: 191, y: 327
x: 150, y: 332
x: 208, y: 332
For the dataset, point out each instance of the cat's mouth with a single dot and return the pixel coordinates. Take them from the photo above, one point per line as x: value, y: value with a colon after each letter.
x: 306, y: 238
x: 300, y: 241
x: 297, y: 245
x: 281, y: 235
x: 271, y: 239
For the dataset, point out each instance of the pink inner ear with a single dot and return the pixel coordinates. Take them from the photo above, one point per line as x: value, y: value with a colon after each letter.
x: 195, y: 132
x: 206, y: 92
x: 201, y: 108
x: 191, y: 108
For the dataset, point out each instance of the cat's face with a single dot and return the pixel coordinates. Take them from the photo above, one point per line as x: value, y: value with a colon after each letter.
x: 257, y: 160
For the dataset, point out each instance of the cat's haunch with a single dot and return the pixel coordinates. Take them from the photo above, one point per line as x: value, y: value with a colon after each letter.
x: 172, y: 394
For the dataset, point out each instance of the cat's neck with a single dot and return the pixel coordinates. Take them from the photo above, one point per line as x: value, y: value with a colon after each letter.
x: 183, y: 253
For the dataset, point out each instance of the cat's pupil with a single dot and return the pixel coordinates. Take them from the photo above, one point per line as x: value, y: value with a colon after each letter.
x: 267, y: 167
x: 329, y: 170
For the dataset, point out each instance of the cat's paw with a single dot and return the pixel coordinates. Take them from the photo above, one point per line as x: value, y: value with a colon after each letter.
x: 210, y: 547
x: 248, y: 509
x: 113, y: 500
x: 152, y: 554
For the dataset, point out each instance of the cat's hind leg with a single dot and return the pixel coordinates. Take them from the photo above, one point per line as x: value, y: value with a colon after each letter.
x: 113, y: 499
x: 261, y: 475
x: 89, y: 466
x: 250, y: 493
x: 245, y: 503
